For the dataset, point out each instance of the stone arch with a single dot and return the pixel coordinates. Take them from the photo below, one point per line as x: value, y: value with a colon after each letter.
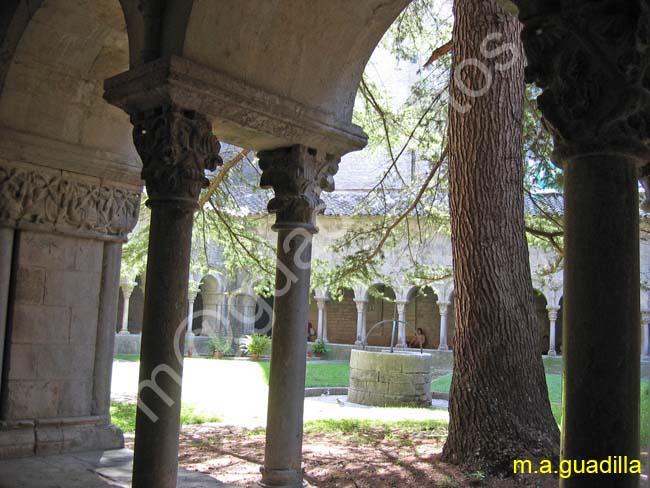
x: 59, y: 54
x: 342, y: 318
x: 422, y: 311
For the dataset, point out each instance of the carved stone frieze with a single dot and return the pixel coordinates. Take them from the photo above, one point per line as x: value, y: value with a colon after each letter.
x: 591, y: 60
x: 77, y: 206
x: 176, y: 147
x: 298, y: 175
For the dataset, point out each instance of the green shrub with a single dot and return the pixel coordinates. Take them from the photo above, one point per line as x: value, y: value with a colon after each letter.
x: 219, y: 344
x: 318, y: 347
x: 256, y: 344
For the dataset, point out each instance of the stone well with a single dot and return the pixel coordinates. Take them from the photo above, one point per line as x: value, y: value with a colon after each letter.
x: 383, y: 379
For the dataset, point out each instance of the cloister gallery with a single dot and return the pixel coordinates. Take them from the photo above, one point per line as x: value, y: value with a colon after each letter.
x: 99, y: 96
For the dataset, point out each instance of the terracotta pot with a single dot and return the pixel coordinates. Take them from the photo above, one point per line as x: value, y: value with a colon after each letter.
x: 218, y: 354
x: 255, y: 357
x: 310, y: 354
x: 318, y: 354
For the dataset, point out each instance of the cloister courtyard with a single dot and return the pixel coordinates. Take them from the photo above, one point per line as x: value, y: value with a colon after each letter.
x: 328, y: 243
x: 346, y: 445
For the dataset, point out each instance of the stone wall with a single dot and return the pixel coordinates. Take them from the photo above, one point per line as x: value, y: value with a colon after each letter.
x: 55, y: 396
x: 385, y: 379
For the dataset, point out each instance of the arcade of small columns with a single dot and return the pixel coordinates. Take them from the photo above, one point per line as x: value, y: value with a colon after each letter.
x: 222, y: 303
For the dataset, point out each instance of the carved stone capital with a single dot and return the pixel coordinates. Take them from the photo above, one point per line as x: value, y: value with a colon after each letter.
x: 33, y: 197
x: 176, y: 147
x: 298, y: 175
x: 443, y: 308
x: 590, y: 60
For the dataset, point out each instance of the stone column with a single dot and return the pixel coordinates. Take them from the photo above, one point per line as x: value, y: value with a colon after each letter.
x: 105, y: 340
x: 594, y: 114
x: 176, y: 146
x: 443, y: 307
x: 127, y: 291
x: 209, y: 325
x: 321, y: 303
x: 401, y: 328
x: 297, y: 174
x: 6, y: 257
x: 552, y: 318
x: 191, y: 296
x: 645, y: 334
x: 362, y: 306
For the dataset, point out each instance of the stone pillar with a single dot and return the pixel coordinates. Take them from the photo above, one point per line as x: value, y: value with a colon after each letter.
x: 127, y: 291
x: 209, y: 324
x: 443, y: 307
x: 594, y: 114
x: 297, y: 174
x: 191, y: 296
x: 6, y: 256
x: 176, y: 146
x: 645, y: 334
x: 401, y: 327
x: 552, y: 318
x: 362, y: 306
x: 321, y: 303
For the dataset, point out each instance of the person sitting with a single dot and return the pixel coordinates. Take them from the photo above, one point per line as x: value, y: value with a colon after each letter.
x: 419, y: 339
x: 311, y: 332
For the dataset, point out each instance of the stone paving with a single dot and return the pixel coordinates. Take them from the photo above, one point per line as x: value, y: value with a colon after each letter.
x: 85, y: 470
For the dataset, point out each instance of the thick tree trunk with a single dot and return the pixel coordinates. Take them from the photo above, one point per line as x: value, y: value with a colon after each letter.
x: 499, y: 409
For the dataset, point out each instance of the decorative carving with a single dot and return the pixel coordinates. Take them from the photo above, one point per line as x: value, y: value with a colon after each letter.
x: 70, y: 205
x: 591, y: 60
x: 298, y: 175
x: 176, y: 147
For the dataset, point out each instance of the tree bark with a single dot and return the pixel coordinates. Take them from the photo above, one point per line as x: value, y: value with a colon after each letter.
x: 499, y: 408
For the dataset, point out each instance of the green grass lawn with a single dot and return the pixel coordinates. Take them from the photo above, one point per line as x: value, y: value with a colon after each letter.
x: 123, y: 416
x: 332, y: 374
x: 319, y: 374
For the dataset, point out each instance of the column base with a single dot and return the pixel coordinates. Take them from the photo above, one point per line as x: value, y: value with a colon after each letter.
x: 552, y: 353
x: 444, y: 347
x: 23, y: 438
x: 124, y: 332
x: 281, y: 478
x: 400, y: 346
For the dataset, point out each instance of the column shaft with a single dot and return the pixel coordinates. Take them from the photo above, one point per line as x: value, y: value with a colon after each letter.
x: 601, y: 300
x: 401, y: 327
x: 322, y: 317
x: 443, y: 307
x: 6, y: 258
x: 361, y: 322
x: 283, y: 454
x: 155, y: 461
x: 552, y: 318
x: 126, y: 295
x: 105, y: 340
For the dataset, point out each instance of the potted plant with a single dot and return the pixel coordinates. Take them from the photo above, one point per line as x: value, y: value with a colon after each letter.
x: 219, y: 346
x: 318, y: 348
x: 255, y: 345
